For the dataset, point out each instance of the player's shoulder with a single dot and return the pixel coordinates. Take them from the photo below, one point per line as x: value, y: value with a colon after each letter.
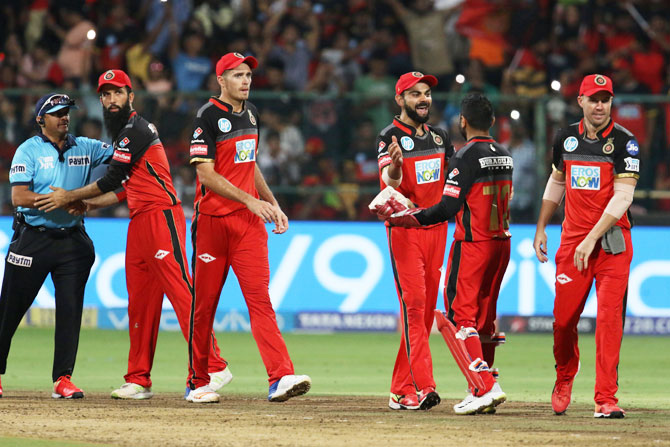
x: 624, y: 139
x: 571, y: 130
x: 622, y: 133
x: 251, y: 107
x: 438, y: 130
x: 31, y: 143
x: 89, y: 143
x: 388, y: 131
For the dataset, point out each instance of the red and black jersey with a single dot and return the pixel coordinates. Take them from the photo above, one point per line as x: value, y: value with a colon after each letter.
x: 477, y: 191
x: 140, y: 164
x: 230, y: 141
x: 590, y: 167
x: 424, y: 160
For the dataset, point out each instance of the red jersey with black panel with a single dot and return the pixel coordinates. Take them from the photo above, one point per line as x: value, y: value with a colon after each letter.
x: 230, y: 141
x: 139, y: 160
x: 425, y: 158
x: 590, y: 167
x: 477, y: 191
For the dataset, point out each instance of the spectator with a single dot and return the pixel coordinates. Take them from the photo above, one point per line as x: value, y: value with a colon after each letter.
x: 374, y: 89
x: 524, y: 177
x: 116, y: 35
x: 75, y: 52
x: 39, y: 68
x: 190, y: 65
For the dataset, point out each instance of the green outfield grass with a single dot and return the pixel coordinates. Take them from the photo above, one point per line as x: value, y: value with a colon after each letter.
x: 343, y: 364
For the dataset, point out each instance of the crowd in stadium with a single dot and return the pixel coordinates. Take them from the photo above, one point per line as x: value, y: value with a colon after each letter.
x: 325, y: 83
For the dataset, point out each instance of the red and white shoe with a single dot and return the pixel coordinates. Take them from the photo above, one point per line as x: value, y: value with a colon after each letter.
x: 406, y: 402
x: 428, y: 398
x: 560, y: 397
x: 611, y: 411
x: 65, y: 389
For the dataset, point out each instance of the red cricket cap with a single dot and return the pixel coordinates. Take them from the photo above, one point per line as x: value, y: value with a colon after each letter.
x: 232, y: 60
x: 117, y: 78
x: 411, y: 79
x: 595, y: 83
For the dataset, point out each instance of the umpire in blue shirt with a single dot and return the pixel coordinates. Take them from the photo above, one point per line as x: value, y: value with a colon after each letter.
x: 54, y: 242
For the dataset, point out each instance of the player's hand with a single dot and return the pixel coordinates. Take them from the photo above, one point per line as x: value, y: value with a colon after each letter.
x: 582, y: 253
x: 391, y: 206
x: 540, y: 245
x: 54, y: 200
x: 281, y: 224
x: 395, y: 152
x: 77, y: 208
x: 405, y: 218
x: 265, y: 210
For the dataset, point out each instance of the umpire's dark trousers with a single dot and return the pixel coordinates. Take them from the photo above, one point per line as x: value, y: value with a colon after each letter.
x: 33, y: 253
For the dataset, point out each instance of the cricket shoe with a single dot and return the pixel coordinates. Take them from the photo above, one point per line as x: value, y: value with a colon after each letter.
x: 0, y: 388
x: 498, y: 396
x: 220, y: 379
x: 611, y: 411
x: 288, y: 387
x: 473, y: 404
x: 428, y: 398
x: 203, y: 395
x: 65, y: 389
x: 132, y: 391
x: 404, y: 402
x: 560, y: 397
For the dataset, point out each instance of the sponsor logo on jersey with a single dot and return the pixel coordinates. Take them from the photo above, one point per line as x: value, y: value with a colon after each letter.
x: 608, y: 147
x: 585, y: 177
x: 252, y: 118
x: 492, y: 148
x: 160, y: 254
x: 79, y: 160
x: 454, y: 173
x: 105, y: 145
x: 198, y: 149
x: 124, y: 142
x: 196, y: 133
x: 428, y: 171
x: 206, y: 258
x: 451, y: 191
x: 407, y: 143
x: 384, y: 161
x: 632, y: 164
x: 224, y: 125
x: 570, y: 144
x: 17, y: 169
x: 21, y: 261
x: 46, y: 162
x: 632, y: 147
x: 121, y: 157
x: 563, y: 278
x: 245, y: 151
x: 381, y: 147
x: 436, y: 138
x: 496, y: 162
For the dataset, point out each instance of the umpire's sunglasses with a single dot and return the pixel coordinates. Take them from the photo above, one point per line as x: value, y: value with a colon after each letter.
x: 56, y: 100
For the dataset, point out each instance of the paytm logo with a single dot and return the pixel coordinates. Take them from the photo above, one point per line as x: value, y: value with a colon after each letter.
x: 245, y: 151
x: 585, y: 177
x: 428, y: 171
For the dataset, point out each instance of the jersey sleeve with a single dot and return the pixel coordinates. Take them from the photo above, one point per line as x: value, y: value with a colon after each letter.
x: 129, y: 146
x: 459, y: 180
x: 203, y: 141
x: 557, y: 151
x: 101, y: 152
x: 22, y: 170
x: 383, y: 157
x: 627, y: 159
x: 449, y: 149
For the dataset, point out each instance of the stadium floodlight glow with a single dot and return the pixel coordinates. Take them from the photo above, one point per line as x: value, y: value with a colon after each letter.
x: 555, y: 85
x: 90, y: 35
x: 460, y: 78
x: 514, y: 114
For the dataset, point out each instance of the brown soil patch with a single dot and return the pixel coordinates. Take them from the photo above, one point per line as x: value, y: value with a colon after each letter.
x: 167, y: 420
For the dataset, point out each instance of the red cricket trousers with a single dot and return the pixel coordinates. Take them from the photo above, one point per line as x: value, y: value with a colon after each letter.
x: 417, y: 255
x: 155, y: 266
x: 237, y: 240
x: 572, y: 289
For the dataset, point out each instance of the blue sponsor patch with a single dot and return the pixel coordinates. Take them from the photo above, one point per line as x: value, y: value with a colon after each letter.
x: 632, y: 147
x: 224, y: 125
x: 407, y: 143
x: 570, y: 144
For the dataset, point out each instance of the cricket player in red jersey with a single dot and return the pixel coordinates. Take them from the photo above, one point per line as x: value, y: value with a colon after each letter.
x: 477, y: 191
x: 232, y: 204
x: 596, y: 166
x: 412, y: 157
x: 155, y: 249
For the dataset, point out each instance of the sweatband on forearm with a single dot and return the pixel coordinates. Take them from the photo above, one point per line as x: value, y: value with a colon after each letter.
x: 554, y: 190
x: 390, y: 181
x: 621, y: 200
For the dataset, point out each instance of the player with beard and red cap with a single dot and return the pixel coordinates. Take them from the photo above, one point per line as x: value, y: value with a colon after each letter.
x: 412, y: 157
x: 155, y: 251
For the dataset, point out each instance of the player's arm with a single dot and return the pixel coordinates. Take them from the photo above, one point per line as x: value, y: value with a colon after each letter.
x: 624, y: 188
x: 281, y: 225
x: 553, y: 195
x: 23, y: 196
x: 392, y: 174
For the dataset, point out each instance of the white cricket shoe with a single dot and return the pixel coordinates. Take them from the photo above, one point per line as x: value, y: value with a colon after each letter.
x: 497, y: 395
x: 473, y: 404
x: 220, y: 379
x: 204, y: 395
x: 132, y: 391
x: 288, y: 387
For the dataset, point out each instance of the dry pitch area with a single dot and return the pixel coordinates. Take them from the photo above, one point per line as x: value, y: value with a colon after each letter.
x: 167, y: 420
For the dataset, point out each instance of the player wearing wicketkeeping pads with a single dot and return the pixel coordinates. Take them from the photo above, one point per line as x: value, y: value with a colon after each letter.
x: 155, y: 249
x: 596, y: 166
x: 412, y: 157
x: 477, y: 192
x: 231, y: 205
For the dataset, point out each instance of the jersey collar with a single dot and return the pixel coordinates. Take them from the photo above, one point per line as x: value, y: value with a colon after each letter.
x: 69, y: 141
x: 409, y: 130
x: 602, y: 133
x: 225, y: 106
x: 481, y: 139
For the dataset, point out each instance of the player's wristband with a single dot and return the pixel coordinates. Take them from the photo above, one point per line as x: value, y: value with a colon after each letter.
x: 621, y: 200
x: 554, y: 191
x: 390, y: 181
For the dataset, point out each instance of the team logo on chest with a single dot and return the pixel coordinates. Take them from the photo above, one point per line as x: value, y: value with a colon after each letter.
x: 428, y: 171
x: 570, y: 144
x: 608, y: 147
x: 245, y: 151
x: 252, y: 118
x: 46, y: 162
x: 407, y: 143
x: 224, y: 125
x: 436, y: 138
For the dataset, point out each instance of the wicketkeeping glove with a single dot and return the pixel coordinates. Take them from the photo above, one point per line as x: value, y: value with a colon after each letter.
x: 405, y: 218
x: 387, y: 202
